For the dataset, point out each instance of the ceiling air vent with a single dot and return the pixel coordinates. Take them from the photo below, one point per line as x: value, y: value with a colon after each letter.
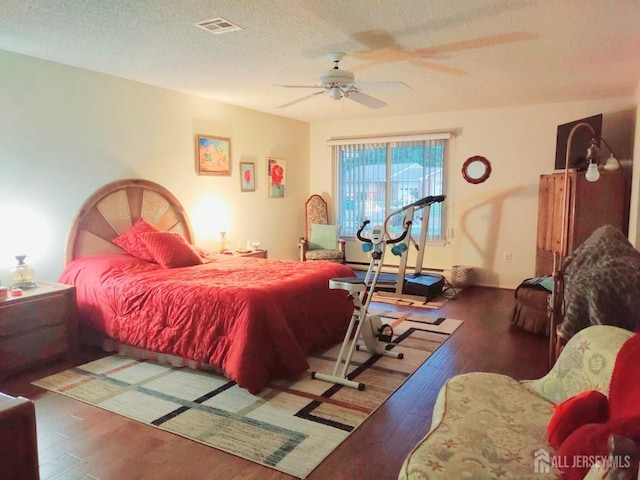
x: 218, y: 25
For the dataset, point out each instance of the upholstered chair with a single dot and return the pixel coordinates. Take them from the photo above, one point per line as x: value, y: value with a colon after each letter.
x: 322, y: 240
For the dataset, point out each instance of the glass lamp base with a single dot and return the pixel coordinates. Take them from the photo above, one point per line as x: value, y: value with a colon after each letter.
x: 24, y: 285
x: 22, y: 275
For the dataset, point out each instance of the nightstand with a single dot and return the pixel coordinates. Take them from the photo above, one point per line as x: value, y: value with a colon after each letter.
x: 19, y: 439
x: 254, y: 254
x: 39, y: 326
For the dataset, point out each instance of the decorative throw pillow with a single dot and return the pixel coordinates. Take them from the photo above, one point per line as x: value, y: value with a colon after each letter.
x: 591, y: 406
x: 170, y: 249
x: 590, y: 442
x: 130, y: 242
x: 624, y: 389
x: 324, y: 237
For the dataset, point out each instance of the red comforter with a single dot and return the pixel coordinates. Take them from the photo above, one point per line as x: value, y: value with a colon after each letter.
x: 256, y: 319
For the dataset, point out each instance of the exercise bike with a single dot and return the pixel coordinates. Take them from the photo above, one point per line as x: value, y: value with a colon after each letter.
x: 376, y: 336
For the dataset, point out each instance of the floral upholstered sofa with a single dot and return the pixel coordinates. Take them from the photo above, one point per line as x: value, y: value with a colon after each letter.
x: 488, y: 426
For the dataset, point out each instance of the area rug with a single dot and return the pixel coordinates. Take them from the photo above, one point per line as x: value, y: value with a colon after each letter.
x: 291, y: 426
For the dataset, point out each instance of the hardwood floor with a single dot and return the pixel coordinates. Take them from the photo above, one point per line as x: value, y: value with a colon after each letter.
x: 78, y: 441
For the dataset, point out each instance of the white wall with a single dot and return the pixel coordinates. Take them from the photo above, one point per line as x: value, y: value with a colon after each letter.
x: 64, y: 132
x: 500, y: 215
x: 634, y: 216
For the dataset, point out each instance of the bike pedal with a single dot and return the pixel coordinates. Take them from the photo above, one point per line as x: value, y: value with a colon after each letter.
x: 385, y: 333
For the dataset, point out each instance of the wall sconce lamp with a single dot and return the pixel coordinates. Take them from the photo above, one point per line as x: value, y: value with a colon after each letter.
x: 592, y: 175
x: 593, y: 153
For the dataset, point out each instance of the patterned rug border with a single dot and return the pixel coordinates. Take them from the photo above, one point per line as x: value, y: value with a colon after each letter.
x: 323, y: 397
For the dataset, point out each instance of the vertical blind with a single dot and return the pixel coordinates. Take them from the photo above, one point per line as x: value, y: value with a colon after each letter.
x: 377, y: 178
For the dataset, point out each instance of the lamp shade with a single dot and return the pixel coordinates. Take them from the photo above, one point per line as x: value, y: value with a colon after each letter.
x: 592, y: 174
x: 612, y: 163
x: 24, y: 233
x: 211, y: 216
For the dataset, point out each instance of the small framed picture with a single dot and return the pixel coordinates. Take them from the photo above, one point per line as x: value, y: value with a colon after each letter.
x: 213, y: 155
x: 276, y: 172
x: 247, y: 177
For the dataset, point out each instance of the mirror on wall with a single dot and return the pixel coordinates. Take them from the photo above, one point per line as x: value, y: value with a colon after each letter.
x: 476, y: 169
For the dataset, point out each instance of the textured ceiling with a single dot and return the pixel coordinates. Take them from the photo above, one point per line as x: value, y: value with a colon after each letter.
x: 454, y: 54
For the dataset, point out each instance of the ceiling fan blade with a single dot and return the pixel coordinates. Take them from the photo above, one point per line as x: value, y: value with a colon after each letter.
x: 384, y: 49
x: 364, y: 99
x: 481, y: 42
x: 297, y: 86
x: 438, y: 67
x: 379, y: 85
x: 300, y: 99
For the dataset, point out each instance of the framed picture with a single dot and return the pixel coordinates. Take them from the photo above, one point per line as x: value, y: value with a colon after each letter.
x: 276, y: 172
x: 247, y: 177
x: 213, y: 155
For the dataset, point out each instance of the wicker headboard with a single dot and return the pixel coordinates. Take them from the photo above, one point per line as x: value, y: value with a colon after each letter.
x: 114, y: 208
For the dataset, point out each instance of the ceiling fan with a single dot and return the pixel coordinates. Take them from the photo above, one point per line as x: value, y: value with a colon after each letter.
x: 341, y: 84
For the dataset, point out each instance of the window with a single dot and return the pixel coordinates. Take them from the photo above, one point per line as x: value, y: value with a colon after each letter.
x: 376, y: 177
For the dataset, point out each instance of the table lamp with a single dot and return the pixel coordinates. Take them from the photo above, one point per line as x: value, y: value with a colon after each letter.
x: 22, y: 275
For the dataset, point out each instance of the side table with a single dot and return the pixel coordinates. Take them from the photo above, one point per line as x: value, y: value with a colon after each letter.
x: 39, y: 326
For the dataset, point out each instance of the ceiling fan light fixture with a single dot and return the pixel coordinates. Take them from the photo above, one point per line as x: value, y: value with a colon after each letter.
x: 339, y: 84
x: 335, y: 77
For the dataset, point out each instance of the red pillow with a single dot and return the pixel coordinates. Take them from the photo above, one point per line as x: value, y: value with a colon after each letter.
x: 624, y: 389
x: 130, y: 242
x: 588, y: 407
x: 589, y: 443
x: 170, y: 249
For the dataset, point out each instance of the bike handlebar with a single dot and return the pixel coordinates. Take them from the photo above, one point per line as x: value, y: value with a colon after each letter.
x: 358, y: 233
x: 407, y: 227
x: 423, y: 202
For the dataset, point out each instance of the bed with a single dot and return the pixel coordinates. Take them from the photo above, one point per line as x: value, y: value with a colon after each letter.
x: 255, y: 320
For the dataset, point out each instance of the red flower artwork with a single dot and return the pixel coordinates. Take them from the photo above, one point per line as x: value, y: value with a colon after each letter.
x: 277, y: 172
x: 247, y: 176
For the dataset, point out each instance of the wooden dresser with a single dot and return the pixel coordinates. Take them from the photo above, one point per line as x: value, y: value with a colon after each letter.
x: 36, y: 327
x: 590, y: 205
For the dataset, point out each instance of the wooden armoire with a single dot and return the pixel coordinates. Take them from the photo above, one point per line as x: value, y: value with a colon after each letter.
x: 590, y: 205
